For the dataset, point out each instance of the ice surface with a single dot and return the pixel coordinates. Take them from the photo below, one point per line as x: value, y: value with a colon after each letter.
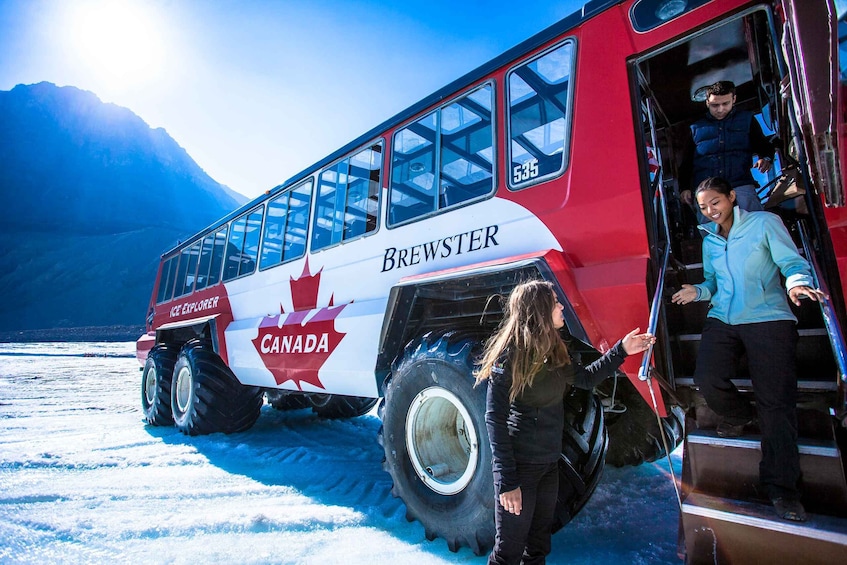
x: 84, y: 480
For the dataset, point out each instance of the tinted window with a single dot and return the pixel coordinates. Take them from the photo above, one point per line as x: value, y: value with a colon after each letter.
x: 166, y: 282
x: 242, y: 247
x: 274, y: 231
x: 467, y: 149
x: 191, y: 270
x: 362, y: 205
x: 285, y: 226
x: 205, y: 260
x: 182, y: 271
x: 298, y: 222
x: 443, y: 159
x: 347, y: 200
x: 233, y: 248
x: 539, y: 116
x: 217, y: 258
x: 250, y: 251
x: 647, y: 14
x: 413, y: 171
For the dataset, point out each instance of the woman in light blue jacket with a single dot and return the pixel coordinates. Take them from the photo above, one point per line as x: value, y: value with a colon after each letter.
x: 744, y: 254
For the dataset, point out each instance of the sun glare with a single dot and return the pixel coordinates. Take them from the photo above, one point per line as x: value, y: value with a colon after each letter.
x: 117, y: 40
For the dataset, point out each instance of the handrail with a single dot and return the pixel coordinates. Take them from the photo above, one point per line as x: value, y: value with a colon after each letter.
x: 656, y: 304
x: 658, y: 198
x: 833, y: 329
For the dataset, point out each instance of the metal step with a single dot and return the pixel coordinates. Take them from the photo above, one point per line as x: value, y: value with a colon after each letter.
x: 722, y: 530
x: 814, y: 357
x: 745, y: 385
x: 729, y: 467
x: 802, y: 333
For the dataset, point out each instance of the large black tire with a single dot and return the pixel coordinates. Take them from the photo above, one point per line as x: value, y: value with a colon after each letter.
x: 634, y: 434
x: 156, y: 384
x: 206, y: 397
x: 336, y: 406
x: 584, y: 444
x: 287, y: 400
x: 437, y: 449
x: 436, y: 446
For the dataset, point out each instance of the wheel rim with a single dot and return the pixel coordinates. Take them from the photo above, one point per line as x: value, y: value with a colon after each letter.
x: 150, y: 385
x: 442, y: 441
x: 183, y: 389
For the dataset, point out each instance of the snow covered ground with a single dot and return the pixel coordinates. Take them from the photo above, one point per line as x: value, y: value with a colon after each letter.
x: 84, y: 480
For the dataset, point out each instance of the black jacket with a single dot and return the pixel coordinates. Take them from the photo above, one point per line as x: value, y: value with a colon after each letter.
x: 529, y: 430
x: 723, y: 148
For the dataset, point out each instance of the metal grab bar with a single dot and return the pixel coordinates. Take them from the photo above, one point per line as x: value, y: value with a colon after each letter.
x: 833, y: 329
x: 656, y: 304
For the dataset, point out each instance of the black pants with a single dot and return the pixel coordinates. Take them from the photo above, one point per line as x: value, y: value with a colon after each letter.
x: 526, y: 538
x: 771, y: 350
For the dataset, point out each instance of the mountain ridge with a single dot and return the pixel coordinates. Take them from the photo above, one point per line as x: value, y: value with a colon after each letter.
x: 91, y: 196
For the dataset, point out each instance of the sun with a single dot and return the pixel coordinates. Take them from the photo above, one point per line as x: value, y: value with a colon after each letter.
x: 117, y: 40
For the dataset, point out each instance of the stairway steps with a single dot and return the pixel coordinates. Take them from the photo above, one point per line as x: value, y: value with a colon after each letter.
x: 729, y: 467
x: 723, y: 530
x: 746, y: 385
x: 809, y: 332
x: 814, y: 357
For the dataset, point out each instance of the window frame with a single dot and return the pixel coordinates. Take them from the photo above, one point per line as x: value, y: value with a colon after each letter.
x: 310, y: 180
x: 313, y: 216
x: 167, y: 268
x: 245, y: 216
x: 187, y: 251
x: 214, y: 234
x: 568, y: 129
x: 492, y: 84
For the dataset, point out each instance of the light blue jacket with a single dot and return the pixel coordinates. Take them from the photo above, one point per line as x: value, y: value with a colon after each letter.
x: 742, y: 272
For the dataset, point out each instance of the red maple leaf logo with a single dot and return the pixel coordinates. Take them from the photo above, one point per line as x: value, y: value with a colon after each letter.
x: 295, y: 346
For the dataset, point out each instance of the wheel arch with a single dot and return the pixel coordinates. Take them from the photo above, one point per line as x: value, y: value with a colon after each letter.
x: 180, y: 333
x: 459, y: 299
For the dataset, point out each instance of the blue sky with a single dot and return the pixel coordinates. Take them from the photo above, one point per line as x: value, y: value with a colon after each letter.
x: 256, y: 91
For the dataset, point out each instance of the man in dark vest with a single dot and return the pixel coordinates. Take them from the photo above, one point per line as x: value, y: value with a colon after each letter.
x: 722, y: 144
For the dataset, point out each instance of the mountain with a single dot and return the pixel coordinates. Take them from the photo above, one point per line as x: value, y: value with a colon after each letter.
x: 90, y: 196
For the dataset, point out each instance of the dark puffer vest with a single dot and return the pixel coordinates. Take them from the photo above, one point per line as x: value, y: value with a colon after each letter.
x: 723, y: 148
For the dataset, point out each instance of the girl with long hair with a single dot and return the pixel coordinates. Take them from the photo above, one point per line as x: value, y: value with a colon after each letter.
x: 528, y: 370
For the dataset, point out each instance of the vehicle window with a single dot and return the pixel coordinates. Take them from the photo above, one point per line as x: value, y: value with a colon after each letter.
x: 539, y: 116
x: 250, y: 252
x: 185, y: 272
x: 298, y: 222
x: 362, y: 206
x: 444, y: 159
x: 842, y: 47
x: 274, y: 231
x: 217, y: 258
x: 166, y: 283
x: 284, y: 237
x: 233, y: 248
x: 413, y: 171
x: 205, y: 260
x: 242, y: 248
x: 347, y: 200
x: 191, y: 272
x: 647, y: 14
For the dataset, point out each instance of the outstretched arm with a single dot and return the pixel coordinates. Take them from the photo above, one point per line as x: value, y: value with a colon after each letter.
x: 594, y: 373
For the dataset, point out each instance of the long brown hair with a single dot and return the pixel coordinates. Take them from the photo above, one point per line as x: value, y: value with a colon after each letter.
x: 528, y: 334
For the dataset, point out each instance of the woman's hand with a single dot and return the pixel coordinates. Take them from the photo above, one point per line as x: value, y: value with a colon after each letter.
x: 684, y: 295
x: 812, y: 293
x: 512, y: 501
x: 634, y: 342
